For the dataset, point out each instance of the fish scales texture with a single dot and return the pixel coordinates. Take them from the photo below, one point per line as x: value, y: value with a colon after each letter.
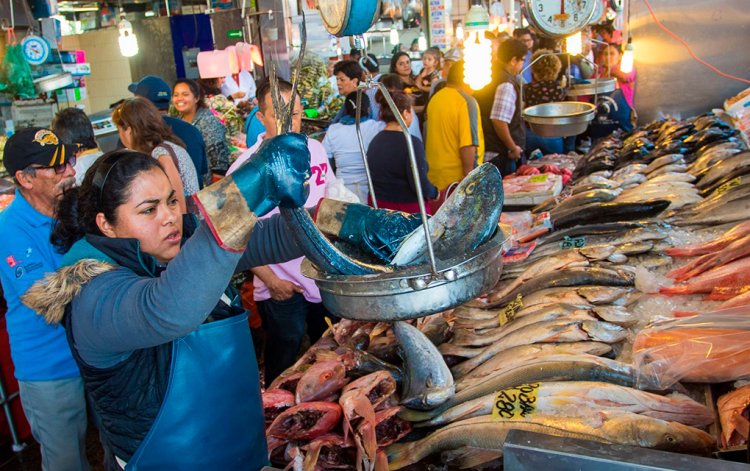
x: 622, y: 428
x: 580, y: 367
x: 568, y: 398
x: 512, y: 357
x: 429, y: 382
x: 608, y: 212
x: 466, y: 220
x: 564, y: 278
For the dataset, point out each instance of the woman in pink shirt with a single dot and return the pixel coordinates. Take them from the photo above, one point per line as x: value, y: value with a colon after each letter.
x: 608, y: 61
x: 609, y: 66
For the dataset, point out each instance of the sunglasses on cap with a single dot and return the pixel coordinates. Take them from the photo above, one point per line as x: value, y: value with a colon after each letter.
x: 60, y: 168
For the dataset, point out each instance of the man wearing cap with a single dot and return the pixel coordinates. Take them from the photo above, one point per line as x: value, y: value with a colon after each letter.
x: 50, y: 384
x: 450, y: 57
x: 158, y: 92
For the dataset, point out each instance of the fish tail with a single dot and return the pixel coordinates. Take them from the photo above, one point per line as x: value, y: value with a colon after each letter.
x: 684, y: 313
x: 401, y: 455
x: 671, y: 290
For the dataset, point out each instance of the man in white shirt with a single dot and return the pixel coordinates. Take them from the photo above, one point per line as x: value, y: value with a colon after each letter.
x: 289, y: 303
x: 239, y: 87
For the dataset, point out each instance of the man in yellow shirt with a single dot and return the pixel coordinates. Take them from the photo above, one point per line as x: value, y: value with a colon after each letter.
x: 454, y: 141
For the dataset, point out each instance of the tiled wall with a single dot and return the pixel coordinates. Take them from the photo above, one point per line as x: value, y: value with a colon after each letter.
x: 110, y: 71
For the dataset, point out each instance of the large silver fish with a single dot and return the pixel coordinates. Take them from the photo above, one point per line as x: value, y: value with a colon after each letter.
x: 560, y: 398
x: 466, y: 220
x: 622, y: 428
x: 428, y: 382
x: 548, y: 368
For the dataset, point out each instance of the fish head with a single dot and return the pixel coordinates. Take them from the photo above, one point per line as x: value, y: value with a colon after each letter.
x: 475, y: 205
x: 670, y: 436
x: 321, y: 380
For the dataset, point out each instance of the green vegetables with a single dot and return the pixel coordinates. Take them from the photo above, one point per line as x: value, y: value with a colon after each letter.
x: 315, y: 89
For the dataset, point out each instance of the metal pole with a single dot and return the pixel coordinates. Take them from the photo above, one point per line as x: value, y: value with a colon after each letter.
x: 414, y: 171
x: 360, y: 89
x: 363, y: 151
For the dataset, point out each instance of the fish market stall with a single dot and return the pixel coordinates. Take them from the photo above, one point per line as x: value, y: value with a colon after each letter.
x: 620, y: 317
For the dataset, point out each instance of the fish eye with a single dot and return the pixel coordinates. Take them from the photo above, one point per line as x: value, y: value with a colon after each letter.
x: 670, y: 438
x: 470, y: 188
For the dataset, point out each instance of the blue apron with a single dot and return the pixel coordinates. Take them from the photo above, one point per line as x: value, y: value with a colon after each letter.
x: 212, y: 415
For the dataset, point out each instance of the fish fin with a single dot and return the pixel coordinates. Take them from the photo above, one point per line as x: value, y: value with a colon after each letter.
x: 381, y: 461
x: 415, y: 415
x: 313, y: 453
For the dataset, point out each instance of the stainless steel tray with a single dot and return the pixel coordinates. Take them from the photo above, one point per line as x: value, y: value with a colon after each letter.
x: 559, y: 119
x: 594, y: 87
x: 413, y: 291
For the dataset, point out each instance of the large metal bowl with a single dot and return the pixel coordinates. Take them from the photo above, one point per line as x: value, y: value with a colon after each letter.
x: 559, y: 119
x: 413, y: 291
x: 594, y: 87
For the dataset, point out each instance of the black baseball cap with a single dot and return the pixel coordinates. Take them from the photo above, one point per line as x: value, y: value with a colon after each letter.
x: 154, y: 89
x: 35, y: 146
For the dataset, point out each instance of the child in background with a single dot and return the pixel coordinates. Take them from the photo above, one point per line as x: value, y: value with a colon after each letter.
x: 609, y: 66
x: 430, y: 69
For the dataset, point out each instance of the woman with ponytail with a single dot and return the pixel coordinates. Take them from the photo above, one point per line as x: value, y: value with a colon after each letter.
x: 166, y: 356
x: 142, y: 128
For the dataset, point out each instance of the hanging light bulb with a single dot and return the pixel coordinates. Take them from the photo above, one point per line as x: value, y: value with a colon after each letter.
x: 460, y: 32
x: 394, y: 35
x: 422, y: 41
x: 128, y: 41
x: 574, y: 44
x: 477, y: 48
x: 626, y: 63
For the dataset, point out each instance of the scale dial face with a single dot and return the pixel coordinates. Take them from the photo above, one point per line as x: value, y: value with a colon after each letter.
x: 334, y: 14
x: 599, y: 9
x: 35, y: 49
x: 559, y: 18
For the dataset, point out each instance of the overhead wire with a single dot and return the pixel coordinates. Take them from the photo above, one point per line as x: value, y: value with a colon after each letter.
x: 689, y: 49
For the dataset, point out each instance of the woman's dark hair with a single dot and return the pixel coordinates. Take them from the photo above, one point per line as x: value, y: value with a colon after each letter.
x: 105, y: 187
x: 148, y: 128
x: 195, y: 89
x: 392, y: 82
x: 72, y: 126
x: 350, y: 105
x: 394, y: 61
x: 210, y: 86
x: 402, y: 100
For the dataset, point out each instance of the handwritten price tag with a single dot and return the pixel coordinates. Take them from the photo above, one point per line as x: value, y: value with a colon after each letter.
x: 517, y: 402
x: 573, y: 242
x: 510, y: 311
x: 728, y: 186
x: 539, y: 178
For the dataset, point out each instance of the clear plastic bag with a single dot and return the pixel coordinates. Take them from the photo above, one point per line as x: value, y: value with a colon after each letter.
x: 707, y: 348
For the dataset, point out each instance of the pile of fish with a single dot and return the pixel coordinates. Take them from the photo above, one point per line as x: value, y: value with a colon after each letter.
x: 338, y: 405
x: 558, y: 346
x: 540, y: 351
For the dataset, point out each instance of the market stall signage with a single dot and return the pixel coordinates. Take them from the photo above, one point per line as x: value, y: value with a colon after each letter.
x: 234, y: 34
x: 517, y: 402
x: 439, y: 20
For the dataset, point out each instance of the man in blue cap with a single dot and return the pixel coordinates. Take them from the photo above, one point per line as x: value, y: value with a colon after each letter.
x: 50, y: 384
x: 158, y: 92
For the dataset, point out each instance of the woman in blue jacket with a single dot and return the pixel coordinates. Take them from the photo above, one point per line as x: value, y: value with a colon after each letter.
x: 167, y: 359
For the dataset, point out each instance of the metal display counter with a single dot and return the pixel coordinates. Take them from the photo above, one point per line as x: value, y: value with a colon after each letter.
x: 527, y: 451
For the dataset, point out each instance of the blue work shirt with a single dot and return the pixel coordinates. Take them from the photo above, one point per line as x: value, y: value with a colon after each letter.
x: 526, y: 73
x: 40, y: 352
x: 253, y: 127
